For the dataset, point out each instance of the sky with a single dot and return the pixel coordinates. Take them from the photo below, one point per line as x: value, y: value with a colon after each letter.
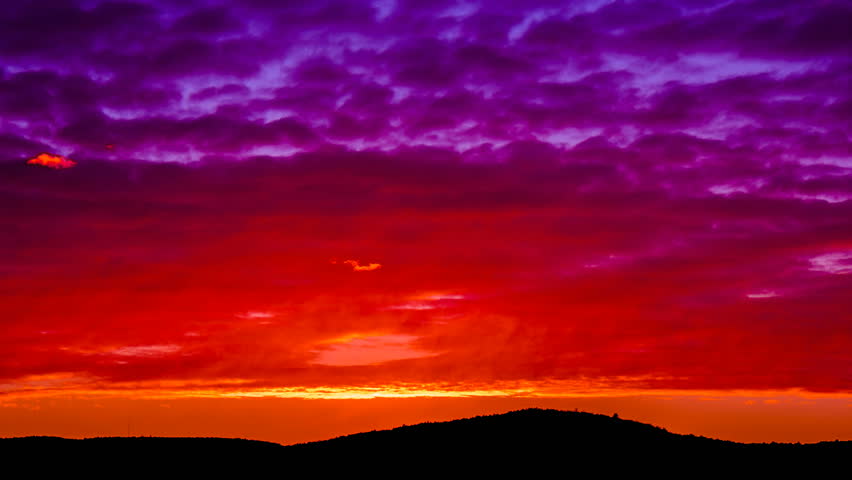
x: 433, y: 207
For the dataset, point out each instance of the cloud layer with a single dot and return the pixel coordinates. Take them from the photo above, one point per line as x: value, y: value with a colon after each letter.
x: 648, y: 195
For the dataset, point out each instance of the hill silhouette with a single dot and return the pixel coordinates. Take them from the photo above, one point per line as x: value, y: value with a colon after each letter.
x: 532, y: 441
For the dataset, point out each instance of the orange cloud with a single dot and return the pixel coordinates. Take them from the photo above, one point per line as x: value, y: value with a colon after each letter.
x: 370, y: 350
x: 51, y: 161
x: 146, y: 351
x: 357, y: 267
x: 253, y: 315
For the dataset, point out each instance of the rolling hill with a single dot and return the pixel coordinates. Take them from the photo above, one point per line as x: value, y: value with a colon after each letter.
x: 532, y: 443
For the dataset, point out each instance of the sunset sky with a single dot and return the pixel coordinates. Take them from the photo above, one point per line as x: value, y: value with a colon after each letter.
x: 290, y: 220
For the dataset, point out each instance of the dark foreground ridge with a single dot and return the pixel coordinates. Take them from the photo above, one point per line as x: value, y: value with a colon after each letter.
x: 532, y: 440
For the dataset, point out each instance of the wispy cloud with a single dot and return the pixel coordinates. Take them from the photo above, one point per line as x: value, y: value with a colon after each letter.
x: 252, y: 315
x: 412, y: 306
x: 762, y: 294
x: 837, y: 263
x: 145, y: 351
x: 370, y: 350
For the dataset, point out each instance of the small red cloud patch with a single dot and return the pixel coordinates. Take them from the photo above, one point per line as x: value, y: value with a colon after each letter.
x: 51, y: 161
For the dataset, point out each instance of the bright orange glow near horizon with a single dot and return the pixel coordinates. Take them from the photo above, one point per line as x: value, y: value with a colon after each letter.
x: 51, y: 405
x: 782, y: 418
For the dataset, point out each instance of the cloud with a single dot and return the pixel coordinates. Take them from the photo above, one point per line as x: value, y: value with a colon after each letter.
x: 370, y: 350
x: 357, y: 267
x: 163, y: 249
x: 56, y: 162
x: 145, y: 351
x: 428, y: 301
x: 694, y: 153
x: 439, y: 296
x: 260, y: 77
x: 762, y: 294
x: 251, y: 315
x: 412, y: 306
x: 837, y: 263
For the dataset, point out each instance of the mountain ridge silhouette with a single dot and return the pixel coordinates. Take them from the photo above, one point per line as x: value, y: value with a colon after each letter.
x: 521, y: 440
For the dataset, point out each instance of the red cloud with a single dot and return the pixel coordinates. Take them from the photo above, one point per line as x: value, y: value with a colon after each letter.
x: 537, y: 273
x: 49, y: 160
